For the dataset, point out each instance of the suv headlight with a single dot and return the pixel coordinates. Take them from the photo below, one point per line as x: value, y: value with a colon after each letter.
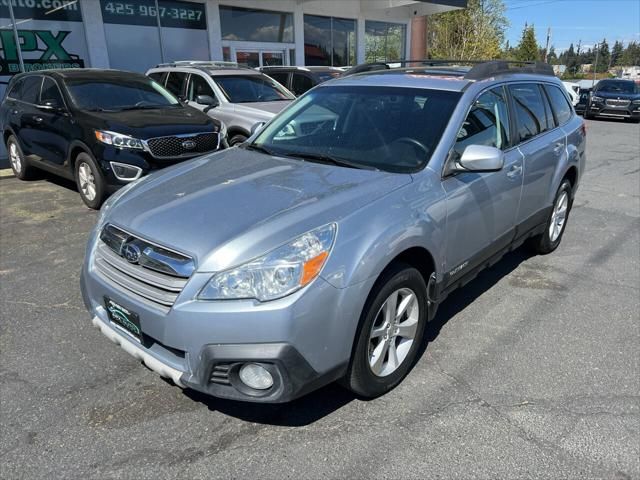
x: 595, y: 98
x: 636, y: 102
x: 118, y: 140
x: 278, y: 273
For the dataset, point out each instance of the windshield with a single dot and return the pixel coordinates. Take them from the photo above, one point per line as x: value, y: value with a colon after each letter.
x: 251, y: 88
x: 616, y: 87
x: 387, y: 128
x: 324, y: 76
x: 117, y: 95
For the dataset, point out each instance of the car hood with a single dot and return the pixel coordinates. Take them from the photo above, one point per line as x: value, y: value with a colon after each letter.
x: 261, y: 110
x: 151, y: 123
x: 618, y: 95
x: 231, y: 206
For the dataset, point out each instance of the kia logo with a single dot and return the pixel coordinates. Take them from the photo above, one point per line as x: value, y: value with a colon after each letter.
x: 189, y: 144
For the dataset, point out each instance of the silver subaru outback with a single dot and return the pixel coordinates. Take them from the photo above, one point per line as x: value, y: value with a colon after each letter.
x: 318, y: 249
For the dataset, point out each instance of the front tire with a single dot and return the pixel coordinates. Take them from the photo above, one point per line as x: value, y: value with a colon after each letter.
x: 91, y: 184
x: 548, y: 241
x: 390, y: 334
x: 19, y: 164
x: 237, y: 140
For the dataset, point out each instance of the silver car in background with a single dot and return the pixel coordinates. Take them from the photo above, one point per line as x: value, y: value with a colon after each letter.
x: 239, y: 97
x: 319, y: 249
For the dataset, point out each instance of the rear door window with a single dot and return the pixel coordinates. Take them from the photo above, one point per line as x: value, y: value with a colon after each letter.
x: 530, y: 110
x: 280, y: 77
x: 31, y: 89
x: 51, y: 92
x: 559, y: 103
x: 175, y: 83
x: 301, y: 83
x: 487, y: 122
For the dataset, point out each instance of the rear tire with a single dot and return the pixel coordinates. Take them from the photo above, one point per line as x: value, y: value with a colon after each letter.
x: 90, y: 182
x: 388, y: 339
x: 556, y: 224
x: 19, y: 164
x: 237, y: 139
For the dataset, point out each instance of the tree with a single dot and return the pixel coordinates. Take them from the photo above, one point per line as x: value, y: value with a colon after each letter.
x: 552, y: 56
x: 468, y: 34
x: 631, y: 55
x: 616, y: 53
x: 604, y: 56
x: 528, y: 49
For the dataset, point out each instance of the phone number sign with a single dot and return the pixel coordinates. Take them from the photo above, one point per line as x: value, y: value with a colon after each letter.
x: 173, y: 13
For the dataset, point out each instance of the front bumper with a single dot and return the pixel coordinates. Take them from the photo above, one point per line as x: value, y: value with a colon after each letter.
x: 626, y: 112
x: 202, y: 345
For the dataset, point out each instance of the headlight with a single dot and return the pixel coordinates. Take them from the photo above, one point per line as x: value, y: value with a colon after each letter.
x: 118, y: 140
x: 597, y: 99
x: 223, y: 130
x: 279, y: 273
x: 636, y: 102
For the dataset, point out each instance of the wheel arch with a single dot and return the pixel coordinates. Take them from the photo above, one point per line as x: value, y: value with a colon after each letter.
x: 75, y: 148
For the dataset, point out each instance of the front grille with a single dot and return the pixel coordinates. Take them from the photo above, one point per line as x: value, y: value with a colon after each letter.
x: 183, y: 145
x: 149, y: 285
x: 618, y: 102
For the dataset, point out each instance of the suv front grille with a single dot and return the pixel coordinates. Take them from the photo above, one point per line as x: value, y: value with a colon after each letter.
x: 618, y: 102
x: 154, y: 279
x: 183, y: 145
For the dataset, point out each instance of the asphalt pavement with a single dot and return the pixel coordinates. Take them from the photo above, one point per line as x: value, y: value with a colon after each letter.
x: 531, y: 371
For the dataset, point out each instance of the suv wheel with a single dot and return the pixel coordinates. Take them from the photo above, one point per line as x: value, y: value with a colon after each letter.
x: 557, y: 222
x: 91, y: 185
x: 390, y: 334
x: 236, y: 139
x: 19, y: 164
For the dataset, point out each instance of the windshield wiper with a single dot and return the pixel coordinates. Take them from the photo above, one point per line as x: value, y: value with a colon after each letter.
x: 142, y: 107
x: 325, y: 158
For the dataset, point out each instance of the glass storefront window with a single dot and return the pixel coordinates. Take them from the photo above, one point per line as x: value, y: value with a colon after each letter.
x: 134, y: 41
x: 384, y: 41
x: 254, y: 25
x: 329, y: 41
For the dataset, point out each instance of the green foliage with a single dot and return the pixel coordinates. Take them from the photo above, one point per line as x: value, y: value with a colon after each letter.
x: 631, y: 55
x: 528, y: 49
x: 473, y: 33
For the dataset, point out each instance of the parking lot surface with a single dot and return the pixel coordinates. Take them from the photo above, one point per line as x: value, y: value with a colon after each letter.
x: 532, y: 370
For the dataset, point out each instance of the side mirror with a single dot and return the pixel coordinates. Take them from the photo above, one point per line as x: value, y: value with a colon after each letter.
x: 207, y: 100
x: 480, y: 158
x: 51, y: 104
x: 256, y: 127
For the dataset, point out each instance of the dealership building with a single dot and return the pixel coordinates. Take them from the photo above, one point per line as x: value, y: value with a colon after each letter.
x: 139, y: 34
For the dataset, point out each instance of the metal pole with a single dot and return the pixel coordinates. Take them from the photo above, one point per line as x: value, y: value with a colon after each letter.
x: 15, y: 35
x: 546, y: 49
x: 159, y: 31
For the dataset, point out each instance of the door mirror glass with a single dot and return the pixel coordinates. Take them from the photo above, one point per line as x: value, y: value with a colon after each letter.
x: 257, y: 127
x: 480, y: 158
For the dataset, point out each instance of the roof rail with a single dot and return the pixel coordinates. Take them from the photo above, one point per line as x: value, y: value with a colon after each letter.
x: 198, y: 63
x: 480, y: 68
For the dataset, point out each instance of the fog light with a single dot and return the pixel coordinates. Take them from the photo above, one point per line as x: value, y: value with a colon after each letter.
x: 124, y: 172
x: 256, y: 376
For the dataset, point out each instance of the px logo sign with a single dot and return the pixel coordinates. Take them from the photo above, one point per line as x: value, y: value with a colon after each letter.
x: 30, y: 41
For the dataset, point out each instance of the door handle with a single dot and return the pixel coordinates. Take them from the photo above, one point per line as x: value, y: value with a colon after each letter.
x: 514, y: 171
x: 38, y: 119
x: 15, y: 112
x: 558, y: 148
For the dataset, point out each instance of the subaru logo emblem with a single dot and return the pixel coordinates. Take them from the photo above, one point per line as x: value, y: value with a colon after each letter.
x: 131, y: 252
x: 189, y: 144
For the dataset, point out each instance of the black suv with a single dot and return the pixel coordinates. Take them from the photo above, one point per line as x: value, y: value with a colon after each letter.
x: 300, y: 79
x: 614, y: 98
x: 101, y: 128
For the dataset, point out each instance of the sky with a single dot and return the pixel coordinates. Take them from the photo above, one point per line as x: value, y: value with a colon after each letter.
x: 573, y: 20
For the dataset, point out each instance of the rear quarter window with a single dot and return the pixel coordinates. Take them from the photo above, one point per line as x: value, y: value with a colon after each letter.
x: 15, y: 91
x: 31, y: 89
x: 559, y: 103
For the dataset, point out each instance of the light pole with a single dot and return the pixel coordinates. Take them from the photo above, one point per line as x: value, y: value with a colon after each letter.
x: 595, y: 67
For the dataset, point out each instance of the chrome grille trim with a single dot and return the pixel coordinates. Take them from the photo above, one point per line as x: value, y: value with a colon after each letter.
x: 170, y: 146
x: 618, y: 102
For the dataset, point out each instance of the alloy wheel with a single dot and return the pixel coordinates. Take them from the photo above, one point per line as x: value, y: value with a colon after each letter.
x: 14, y: 158
x: 558, y: 216
x: 393, y: 332
x: 87, y: 181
